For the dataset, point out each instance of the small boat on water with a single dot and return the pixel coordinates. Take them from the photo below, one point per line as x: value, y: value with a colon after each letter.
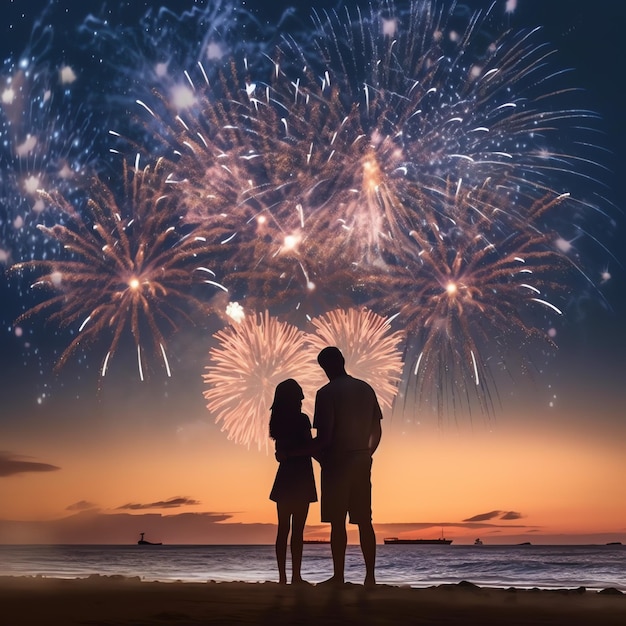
x: 478, y: 542
x: 143, y: 542
x: 432, y: 542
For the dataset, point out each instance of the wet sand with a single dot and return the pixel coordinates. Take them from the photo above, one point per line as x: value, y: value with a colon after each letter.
x: 100, y: 600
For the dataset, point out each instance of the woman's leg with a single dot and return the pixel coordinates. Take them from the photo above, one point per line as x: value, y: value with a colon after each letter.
x: 284, y: 519
x: 300, y: 512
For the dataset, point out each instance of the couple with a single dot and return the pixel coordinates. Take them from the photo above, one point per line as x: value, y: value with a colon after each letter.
x: 347, y: 419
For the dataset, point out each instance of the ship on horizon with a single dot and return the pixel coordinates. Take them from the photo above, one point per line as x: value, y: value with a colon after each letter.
x: 396, y: 540
x: 441, y: 541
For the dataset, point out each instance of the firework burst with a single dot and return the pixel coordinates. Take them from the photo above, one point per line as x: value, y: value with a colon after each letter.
x: 472, y: 293
x: 394, y: 103
x: 249, y: 360
x: 371, y: 349
x: 43, y: 146
x: 351, y: 164
x: 336, y: 149
x: 455, y: 104
x: 364, y: 158
x: 129, y: 272
x: 240, y: 172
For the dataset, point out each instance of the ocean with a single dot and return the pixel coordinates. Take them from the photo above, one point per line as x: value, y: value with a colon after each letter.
x: 594, y: 567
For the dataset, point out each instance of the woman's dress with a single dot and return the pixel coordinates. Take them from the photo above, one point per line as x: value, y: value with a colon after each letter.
x: 294, y: 480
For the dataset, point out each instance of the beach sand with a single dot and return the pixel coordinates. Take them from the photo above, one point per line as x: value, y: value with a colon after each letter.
x: 100, y: 600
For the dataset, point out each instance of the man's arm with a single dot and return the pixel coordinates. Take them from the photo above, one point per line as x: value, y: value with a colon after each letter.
x: 375, y: 435
x: 376, y: 431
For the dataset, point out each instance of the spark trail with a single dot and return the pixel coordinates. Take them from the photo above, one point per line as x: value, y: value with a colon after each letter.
x: 474, y: 293
x: 129, y: 270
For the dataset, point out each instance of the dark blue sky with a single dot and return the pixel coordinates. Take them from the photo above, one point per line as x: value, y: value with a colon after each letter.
x: 588, y: 37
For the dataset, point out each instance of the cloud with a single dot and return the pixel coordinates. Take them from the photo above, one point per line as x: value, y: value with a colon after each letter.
x: 82, y: 505
x: 172, y: 503
x: 512, y: 515
x: 10, y: 465
x: 482, y: 517
x: 504, y: 515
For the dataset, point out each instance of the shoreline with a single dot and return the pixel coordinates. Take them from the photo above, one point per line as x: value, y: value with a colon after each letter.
x: 98, y: 599
x: 535, y: 588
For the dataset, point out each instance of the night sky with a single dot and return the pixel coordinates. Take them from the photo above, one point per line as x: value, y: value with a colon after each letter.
x: 546, y: 462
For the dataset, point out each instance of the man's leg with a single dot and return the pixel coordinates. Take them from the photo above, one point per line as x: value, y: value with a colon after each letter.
x: 367, y: 537
x: 334, y: 494
x: 361, y: 512
x: 338, y: 543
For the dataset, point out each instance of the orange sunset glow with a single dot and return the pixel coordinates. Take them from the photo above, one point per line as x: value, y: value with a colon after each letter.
x: 544, y: 478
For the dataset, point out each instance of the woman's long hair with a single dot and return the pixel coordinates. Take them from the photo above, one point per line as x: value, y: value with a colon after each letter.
x: 287, y: 405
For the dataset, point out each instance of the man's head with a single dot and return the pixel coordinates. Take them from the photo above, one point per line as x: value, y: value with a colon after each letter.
x: 332, y: 362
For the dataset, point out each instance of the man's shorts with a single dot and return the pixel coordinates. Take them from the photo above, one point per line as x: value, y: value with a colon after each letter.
x: 347, y: 489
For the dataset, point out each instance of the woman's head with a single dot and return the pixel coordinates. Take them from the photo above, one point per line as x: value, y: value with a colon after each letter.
x: 288, y: 394
x: 288, y: 398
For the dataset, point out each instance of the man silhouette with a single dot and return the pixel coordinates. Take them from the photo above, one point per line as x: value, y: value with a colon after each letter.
x: 347, y: 419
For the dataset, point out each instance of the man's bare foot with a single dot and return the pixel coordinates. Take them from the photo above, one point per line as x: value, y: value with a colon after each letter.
x: 369, y: 583
x: 332, y: 582
x: 299, y: 581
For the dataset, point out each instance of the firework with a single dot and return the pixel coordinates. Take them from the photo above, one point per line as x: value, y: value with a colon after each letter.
x: 238, y: 174
x: 155, y: 52
x: 473, y: 293
x: 332, y: 152
x: 405, y: 124
x: 394, y: 105
x: 249, y: 360
x: 372, y: 351
x: 129, y: 272
x: 421, y: 104
x: 43, y: 146
x: 397, y: 156
x: 361, y: 161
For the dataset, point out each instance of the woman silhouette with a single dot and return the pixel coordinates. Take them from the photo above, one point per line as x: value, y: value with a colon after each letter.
x: 294, y: 485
